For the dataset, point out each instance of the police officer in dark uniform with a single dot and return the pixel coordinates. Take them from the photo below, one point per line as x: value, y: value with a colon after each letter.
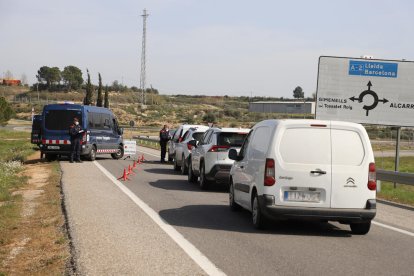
x: 75, y: 133
x: 164, y: 137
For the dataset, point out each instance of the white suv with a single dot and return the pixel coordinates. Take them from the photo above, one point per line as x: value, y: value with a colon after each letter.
x: 310, y: 169
x: 209, y: 158
x: 177, y: 138
x: 183, y: 149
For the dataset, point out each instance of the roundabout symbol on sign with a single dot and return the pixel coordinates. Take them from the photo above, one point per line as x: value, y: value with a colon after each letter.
x: 373, y: 94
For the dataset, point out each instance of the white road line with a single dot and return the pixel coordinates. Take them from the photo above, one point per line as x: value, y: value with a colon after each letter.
x: 188, y: 247
x: 393, y: 228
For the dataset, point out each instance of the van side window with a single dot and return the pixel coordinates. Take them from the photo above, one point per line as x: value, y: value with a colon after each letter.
x: 115, y: 125
x: 90, y: 120
x: 106, y: 121
x: 260, y: 143
x: 96, y: 120
x: 246, y: 142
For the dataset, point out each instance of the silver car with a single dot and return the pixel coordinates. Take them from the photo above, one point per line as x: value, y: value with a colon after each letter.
x: 183, y: 149
x: 177, y: 138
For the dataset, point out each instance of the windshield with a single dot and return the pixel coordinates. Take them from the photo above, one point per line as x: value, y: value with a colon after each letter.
x: 61, y: 119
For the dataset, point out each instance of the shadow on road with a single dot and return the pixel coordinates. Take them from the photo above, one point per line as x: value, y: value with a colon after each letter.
x: 220, y: 217
x: 183, y: 185
x: 163, y: 170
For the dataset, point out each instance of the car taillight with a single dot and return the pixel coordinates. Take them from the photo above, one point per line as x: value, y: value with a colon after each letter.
x: 218, y: 148
x: 189, y: 147
x: 180, y: 139
x: 84, y: 138
x: 269, y: 177
x: 372, y: 177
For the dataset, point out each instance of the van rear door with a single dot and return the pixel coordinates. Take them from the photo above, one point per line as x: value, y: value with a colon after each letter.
x: 303, y: 165
x: 350, y: 164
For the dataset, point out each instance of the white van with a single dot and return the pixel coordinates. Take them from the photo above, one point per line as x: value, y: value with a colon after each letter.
x: 310, y: 169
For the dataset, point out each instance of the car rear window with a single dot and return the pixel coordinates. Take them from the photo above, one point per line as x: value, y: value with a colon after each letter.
x: 347, y: 148
x: 61, y: 119
x: 231, y: 139
x: 198, y: 135
x: 306, y: 146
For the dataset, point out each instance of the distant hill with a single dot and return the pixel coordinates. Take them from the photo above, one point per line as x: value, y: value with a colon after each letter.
x: 161, y: 109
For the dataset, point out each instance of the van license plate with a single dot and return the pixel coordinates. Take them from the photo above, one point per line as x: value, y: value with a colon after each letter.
x: 53, y: 147
x: 302, y: 196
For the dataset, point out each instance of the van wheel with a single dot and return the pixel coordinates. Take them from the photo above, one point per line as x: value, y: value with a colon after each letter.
x: 257, y: 216
x: 360, y: 228
x: 184, y: 167
x: 50, y: 157
x: 233, y: 205
x: 176, y: 166
x: 203, y: 181
x: 191, y: 177
x: 119, y: 153
x: 92, y: 154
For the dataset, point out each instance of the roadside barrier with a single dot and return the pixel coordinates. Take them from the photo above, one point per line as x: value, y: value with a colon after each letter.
x: 124, y: 177
x: 130, y: 169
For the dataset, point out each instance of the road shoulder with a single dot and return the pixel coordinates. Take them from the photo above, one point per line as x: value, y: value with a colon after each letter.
x: 110, y: 234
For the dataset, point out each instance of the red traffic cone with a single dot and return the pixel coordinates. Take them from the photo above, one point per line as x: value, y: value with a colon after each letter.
x: 134, y: 165
x: 130, y: 171
x: 142, y: 158
x: 124, y: 177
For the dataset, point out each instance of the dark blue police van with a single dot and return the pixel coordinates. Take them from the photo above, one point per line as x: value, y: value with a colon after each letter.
x: 102, y: 133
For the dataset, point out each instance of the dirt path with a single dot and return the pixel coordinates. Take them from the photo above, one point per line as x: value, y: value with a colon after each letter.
x: 38, y: 244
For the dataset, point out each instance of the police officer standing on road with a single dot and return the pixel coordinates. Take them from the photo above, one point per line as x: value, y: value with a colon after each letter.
x: 164, y: 137
x: 75, y: 133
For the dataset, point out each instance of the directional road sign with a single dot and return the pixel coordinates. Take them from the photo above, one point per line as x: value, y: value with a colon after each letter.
x: 365, y: 91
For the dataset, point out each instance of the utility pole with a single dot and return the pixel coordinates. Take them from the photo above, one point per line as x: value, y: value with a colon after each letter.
x: 143, y: 57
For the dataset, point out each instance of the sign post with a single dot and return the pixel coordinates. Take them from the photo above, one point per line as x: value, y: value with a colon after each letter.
x: 130, y: 147
x: 369, y: 91
x: 366, y: 91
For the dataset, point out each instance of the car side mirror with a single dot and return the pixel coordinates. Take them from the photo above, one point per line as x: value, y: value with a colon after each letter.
x: 193, y: 143
x: 121, y: 131
x: 233, y: 155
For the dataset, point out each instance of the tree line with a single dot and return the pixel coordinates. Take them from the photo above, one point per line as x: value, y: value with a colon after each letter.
x: 71, y: 78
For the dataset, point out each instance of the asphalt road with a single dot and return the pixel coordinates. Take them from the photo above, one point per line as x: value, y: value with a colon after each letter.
x: 230, y: 242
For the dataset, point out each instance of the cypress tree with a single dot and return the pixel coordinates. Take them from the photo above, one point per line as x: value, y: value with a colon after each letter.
x: 99, y: 100
x: 89, y: 90
x: 106, y: 103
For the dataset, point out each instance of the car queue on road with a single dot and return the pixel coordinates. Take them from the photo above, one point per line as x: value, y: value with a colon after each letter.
x: 286, y: 169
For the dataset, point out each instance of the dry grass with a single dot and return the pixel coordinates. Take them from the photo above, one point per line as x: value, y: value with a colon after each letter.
x: 36, y: 242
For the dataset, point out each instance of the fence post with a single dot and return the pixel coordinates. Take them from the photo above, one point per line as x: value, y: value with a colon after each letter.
x: 397, y: 153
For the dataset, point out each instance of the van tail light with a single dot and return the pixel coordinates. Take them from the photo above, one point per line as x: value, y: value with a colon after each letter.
x: 189, y: 147
x: 218, y: 148
x: 372, y: 177
x: 84, y: 138
x: 269, y: 177
x: 180, y: 139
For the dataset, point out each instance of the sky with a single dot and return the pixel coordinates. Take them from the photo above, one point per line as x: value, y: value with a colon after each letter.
x: 202, y: 47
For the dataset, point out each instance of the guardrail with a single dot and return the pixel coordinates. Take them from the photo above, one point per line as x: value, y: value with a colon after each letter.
x: 397, y: 177
x: 149, y: 142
